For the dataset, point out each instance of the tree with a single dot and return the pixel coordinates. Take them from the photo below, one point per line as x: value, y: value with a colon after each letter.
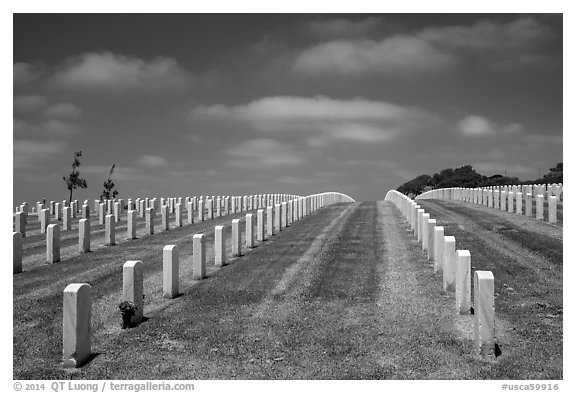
x: 555, y: 175
x: 109, y: 187
x: 74, y: 180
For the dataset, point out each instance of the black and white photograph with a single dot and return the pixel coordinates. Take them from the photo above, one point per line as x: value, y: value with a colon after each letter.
x: 277, y: 196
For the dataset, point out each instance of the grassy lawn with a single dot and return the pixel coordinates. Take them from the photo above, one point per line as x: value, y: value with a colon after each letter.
x: 525, y: 256
x: 343, y: 294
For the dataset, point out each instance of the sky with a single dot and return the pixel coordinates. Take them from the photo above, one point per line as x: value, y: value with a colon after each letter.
x: 235, y: 104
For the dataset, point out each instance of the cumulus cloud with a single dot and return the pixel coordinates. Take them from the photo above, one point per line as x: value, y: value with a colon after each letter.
x: 492, y: 168
x: 263, y: 153
x: 52, y: 128
x: 24, y: 73
x: 394, y: 55
x: 429, y: 49
x: 28, y: 153
x: 474, y: 125
x: 151, y: 161
x: 29, y: 102
x: 489, y: 35
x: 113, y: 71
x: 120, y: 172
x: 63, y: 109
x: 324, y: 119
x: 340, y: 27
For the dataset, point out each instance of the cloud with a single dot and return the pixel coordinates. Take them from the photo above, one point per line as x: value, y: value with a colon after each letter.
x: 427, y: 50
x: 29, y: 102
x: 120, y: 172
x: 24, y: 73
x: 263, y: 153
x: 394, y: 55
x: 112, y: 71
x: 63, y: 109
x: 493, y: 168
x: 151, y: 161
x: 52, y: 128
x: 59, y: 127
x: 28, y: 153
x: 341, y: 27
x: 487, y: 35
x: 480, y: 126
x: 323, y: 119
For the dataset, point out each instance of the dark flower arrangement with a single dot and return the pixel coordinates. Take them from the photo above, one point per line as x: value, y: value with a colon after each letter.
x: 128, y: 310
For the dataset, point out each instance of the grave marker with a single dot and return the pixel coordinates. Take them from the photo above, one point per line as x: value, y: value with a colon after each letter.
x: 198, y: 256
x: 249, y: 231
x: 84, y: 235
x: 110, y: 231
x: 463, y: 266
x: 53, y: 243
x: 236, y: 238
x: 76, y: 325
x: 131, y: 225
x: 170, y: 271
x: 484, y: 319
x: 133, y: 287
x: 449, y: 269
x: 219, y: 246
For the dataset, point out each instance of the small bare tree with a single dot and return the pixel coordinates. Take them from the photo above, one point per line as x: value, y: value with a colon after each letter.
x: 74, y: 180
x: 109, y: 190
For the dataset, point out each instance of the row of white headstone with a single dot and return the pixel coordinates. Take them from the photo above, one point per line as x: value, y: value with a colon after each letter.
x: 77, y: 307
x: 224, y: 206
x: 514, y: 200
x: 214, y: 206
x: 255, y: 201
x: 455, y: 267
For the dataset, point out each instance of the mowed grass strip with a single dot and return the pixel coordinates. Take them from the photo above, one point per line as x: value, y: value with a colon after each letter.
x: 526, y: 258
x: 38, y: 300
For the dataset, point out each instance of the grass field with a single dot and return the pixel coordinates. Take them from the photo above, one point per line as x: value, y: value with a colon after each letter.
x: 345, y: 293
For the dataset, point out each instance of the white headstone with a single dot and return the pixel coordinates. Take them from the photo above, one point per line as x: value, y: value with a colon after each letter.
x: 236, y: 238
x: 178, y: 214
x: 198, y: 256
x: 170, y: 271
x: 165, y: 217
x: 84, y: 235
x: 201, y: 210
x: 529, y: 208
x: 53, y: 243
x: 219, y: 246
x: 540, y: 207
x: 484, y: 319
x: 101, y: 213
x: 449, y: 270
x: 20, y: 223
x: 431, y: 238
x: 463, y: 294
x: 44, y: 220
x: 77, y: 325
x: 131, y: 225
x: 110, y: 230
x: 249, y: 230
x: 260, y: 233
x: 552, y: 214
x: 150, y: 215
x: 438, y: 249
x: 66, y: 219
x: 270, y: 221
x: 133, y: 287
